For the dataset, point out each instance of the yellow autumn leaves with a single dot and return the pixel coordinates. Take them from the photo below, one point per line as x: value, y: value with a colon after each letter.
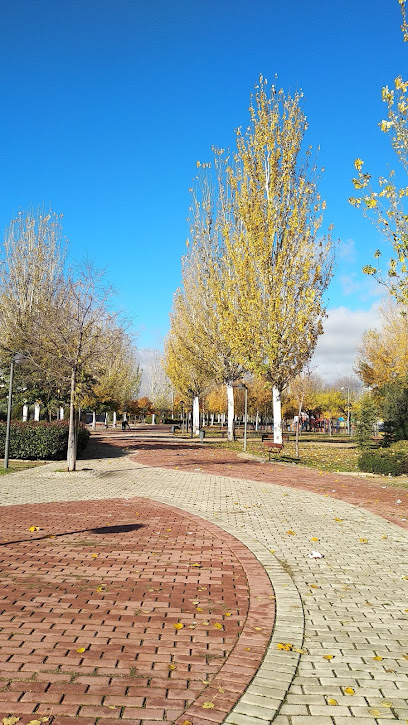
x: 389, y: 216
x: 287, y: 647
x: 217, y: 625
x: 13, y: 720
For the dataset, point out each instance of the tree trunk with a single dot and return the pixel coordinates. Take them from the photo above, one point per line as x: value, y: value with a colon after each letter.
x: 230, y: 408
x: 36, y: 411
x: 93, y: 420
x: 25, y: 412
x: 196, y: 415
x: 257, y: 421
x: 72, y: 439
x: 277, y: 416
x: 114, y: 420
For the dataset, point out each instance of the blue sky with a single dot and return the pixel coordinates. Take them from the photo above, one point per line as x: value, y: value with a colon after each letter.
x: 107, y: 106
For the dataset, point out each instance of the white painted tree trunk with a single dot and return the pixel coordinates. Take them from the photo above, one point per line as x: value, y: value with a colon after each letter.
x: 257, y: 421
x: 222, y: 418
x: 277, y: 416
x: 61, y: 413
x: 114, y: 419
x: 153, y: 419
x: 25, y: 413
x: 212, y: 419
x: 36, y: 411
x: 93, y: 420
x: 230, y: 408
x: 196, y: 416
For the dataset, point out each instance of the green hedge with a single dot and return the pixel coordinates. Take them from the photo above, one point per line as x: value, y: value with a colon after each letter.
x: 387, y: 461
x: 40, y: 440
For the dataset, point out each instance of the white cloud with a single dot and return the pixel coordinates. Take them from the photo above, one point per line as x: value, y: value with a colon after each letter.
x: 336, y: 350
x: 347, y: 250
x: 362, y: 287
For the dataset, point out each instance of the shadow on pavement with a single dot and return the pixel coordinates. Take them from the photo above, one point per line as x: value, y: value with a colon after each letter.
x: 114, y: 529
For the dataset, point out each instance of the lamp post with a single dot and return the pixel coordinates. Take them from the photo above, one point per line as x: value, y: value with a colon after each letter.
x: 348, y: 408
x: 242, y: 386
x: 191, y: 392
x: 17, y: 358
x: 182, y: 415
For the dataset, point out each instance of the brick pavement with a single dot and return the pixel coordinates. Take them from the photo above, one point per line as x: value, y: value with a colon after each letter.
x: 92, y: 601
x: 344, y: 616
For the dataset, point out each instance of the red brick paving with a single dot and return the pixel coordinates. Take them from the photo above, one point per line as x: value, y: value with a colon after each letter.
x: 377, y: 495
x: 114, y: 577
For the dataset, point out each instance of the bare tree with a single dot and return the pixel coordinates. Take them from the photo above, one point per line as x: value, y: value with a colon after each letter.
x: 59, y: 320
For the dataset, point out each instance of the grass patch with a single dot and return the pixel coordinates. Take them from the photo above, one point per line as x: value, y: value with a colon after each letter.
x: 316, y: 450
x: 15, y: 466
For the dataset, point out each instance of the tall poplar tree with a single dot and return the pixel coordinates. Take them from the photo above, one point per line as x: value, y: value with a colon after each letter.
x: 201, y: 328
x: 274, y: 264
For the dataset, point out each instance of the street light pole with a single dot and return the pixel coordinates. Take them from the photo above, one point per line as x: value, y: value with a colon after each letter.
x: 348, y: 407
x: 18, y: 357
x: 191, y: 392
x: 7, y: 442
x: 182, y: 415
x: 242, y: 386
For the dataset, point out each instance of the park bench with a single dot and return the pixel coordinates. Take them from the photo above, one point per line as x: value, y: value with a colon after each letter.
x: 269, y: 437
x: 271, y: 446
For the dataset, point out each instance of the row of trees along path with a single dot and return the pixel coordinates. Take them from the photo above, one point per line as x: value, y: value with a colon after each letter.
x: 257, y: 264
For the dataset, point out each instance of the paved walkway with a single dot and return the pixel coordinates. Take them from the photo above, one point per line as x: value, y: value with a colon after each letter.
x: 73, y: 605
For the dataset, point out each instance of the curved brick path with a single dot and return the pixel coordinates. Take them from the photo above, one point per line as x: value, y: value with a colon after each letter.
x: 346, y: 613
x: 113, y: 580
